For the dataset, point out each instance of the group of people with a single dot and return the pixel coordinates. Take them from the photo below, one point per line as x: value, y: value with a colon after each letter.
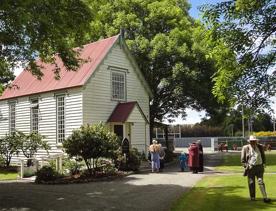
x: 194, y: 159
x: 252, y: 158
x: 157, y: 155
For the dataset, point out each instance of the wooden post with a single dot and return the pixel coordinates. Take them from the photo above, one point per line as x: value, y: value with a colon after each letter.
x: 57, y: 164
x: 22, y: 169
x: 60, y: 164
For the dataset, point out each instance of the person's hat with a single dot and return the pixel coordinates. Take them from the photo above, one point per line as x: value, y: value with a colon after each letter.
x: 198, y: 141
x: 252, y: 138
x: 154, y: 141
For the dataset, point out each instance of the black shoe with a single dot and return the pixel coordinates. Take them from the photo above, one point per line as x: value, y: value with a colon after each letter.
x: 267, y: 200
x: 253, y: 199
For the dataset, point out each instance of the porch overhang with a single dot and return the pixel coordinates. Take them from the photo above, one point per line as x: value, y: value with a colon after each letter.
x: 127, y: 112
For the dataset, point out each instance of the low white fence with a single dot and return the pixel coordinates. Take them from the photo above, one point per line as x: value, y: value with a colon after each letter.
x: 214, y: 142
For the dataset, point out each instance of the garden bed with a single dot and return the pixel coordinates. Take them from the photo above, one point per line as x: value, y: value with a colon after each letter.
x: 86, y: 179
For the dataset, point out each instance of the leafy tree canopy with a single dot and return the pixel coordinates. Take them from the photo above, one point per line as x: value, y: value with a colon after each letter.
x: 40, y: 28
x: 169, y: 47
x: 248, y: 28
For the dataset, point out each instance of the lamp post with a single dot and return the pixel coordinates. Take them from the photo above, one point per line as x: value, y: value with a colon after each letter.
x: 243, y: 135
x: 273, y: 123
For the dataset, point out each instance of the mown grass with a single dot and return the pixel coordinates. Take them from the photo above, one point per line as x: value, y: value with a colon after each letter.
x: 225, y: 193
x: 229, y: 192
x: 8, y: 174
x: 232, y: 162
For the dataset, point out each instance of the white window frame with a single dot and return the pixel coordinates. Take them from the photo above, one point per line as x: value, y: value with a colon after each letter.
x: 34, y: 115
x: 60, y: 118
x: 12, y: 117
x: 119, y: 96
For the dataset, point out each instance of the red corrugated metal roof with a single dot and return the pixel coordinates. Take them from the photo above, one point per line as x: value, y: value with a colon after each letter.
x: 27, y: 84
x: 122, y: 112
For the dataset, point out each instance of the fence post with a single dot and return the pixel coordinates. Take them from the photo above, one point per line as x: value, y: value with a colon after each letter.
x: 60, y: 164
x: 22, y: 169
x: 213, y: 144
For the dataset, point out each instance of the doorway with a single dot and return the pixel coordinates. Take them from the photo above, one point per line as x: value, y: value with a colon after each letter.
x: 119, y: 131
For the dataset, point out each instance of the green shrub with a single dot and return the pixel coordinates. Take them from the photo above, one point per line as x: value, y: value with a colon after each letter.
x: 143, y: 156
x: 31, y: 143
x: 45, y: 174
x: 72, y: 166
x: 265, y: 134
x: 107, y: 167
x: 2, y: 161
x: 9, y: 147
x: 29, y: 172
x: 90, y: 143
x: 131, y: 162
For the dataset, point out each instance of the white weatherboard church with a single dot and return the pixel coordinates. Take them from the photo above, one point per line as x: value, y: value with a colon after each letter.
x: 108, y: 87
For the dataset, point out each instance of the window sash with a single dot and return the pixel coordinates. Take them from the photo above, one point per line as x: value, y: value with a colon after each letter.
x: 60, y: 119
x: 11, y: 117
x: 118, y: 86
x: 34, y: 116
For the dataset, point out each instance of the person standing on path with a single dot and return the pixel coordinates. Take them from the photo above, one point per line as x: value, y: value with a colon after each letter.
x: 193, y: 161
x: 200, y: 149
x: 162, y: 155
x: 154, y: 150
x: 183, y: 161
x: 253, y: 160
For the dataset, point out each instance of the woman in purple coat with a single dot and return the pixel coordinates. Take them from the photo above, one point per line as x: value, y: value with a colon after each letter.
x: 193, y: 161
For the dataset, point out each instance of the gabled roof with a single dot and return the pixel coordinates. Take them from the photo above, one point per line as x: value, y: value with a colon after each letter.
x: 27, y: 84
x: 122, y: 112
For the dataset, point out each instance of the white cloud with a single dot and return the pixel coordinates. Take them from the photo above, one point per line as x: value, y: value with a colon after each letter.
x: 17, y: 70
x: 192, y: 117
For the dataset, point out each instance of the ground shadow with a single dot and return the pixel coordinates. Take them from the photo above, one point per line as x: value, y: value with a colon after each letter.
x: 115, y: 195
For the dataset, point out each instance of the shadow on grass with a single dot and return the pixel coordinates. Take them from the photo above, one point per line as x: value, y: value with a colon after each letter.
x: 219, y: 198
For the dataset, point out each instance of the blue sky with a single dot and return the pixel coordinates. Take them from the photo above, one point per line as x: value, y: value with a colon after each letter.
x: 194, y: 12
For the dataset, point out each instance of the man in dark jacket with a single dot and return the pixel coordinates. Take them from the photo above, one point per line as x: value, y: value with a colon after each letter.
x: 253, y: 160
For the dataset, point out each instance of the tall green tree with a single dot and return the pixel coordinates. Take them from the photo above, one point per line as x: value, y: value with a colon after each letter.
x: 168, y: 47
x: 248, y: 28
x: 40, y: 28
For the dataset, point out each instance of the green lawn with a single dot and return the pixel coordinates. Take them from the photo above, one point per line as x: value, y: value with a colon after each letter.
x: 8, y: 175
x: 225, y: 193
x: 229, y: 192
x: 232, y: 162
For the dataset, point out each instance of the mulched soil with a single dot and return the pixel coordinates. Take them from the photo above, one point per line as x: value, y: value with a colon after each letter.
x: 85, y: 179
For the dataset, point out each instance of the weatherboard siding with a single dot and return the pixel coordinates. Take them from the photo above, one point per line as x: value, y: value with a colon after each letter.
x: 97, y: 102
x: 73, y: 111
x: 4, y: 118
x: 47, y: 116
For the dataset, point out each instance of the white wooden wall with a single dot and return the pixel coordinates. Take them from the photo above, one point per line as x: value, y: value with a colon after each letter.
x: 47, y: 116
x: 98, y: 104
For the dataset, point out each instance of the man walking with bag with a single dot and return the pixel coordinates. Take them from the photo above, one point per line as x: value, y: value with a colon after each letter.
x: 253, y: 159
